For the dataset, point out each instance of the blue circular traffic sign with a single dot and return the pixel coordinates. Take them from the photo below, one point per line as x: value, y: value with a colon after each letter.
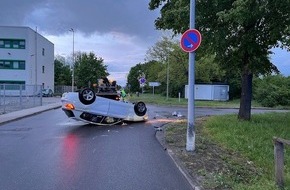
x: 190, y: 40
x: 142, y: 80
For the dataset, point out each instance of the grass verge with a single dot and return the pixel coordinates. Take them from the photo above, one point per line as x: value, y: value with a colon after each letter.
x: 157, y: 99
x: 233, y: 154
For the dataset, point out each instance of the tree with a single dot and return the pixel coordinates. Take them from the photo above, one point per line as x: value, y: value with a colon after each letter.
x: 168, y: 53
x: 207, y: 70
x: 160, y: 52
x: 241, y: 33
x: 88, y: 69
x: 132, y: 77
x: 62, y: 73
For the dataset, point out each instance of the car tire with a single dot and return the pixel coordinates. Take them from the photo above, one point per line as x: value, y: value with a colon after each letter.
x: 140, y: 108
x: 87, y: 96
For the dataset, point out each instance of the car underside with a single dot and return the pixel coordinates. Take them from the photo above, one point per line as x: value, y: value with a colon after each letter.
x: 101, y: 108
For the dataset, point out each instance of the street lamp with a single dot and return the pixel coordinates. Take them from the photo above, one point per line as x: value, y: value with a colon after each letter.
x: 167, y: 82
x: 170, y: 50
x: 72, y: 75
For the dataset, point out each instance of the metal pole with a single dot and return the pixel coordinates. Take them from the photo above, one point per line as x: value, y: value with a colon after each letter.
x: 36, y: 69
x: 35, y: 59
x: 190, y: 138
x: 4, y: 96
x: 72, y: 75
x: 167, y: 82
x: 20, y: 96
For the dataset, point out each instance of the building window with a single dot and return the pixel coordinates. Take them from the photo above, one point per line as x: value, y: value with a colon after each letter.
x: 7, y: 65
x: 12, y: 64
x: 12, y: 43
x: 12, y: 85
x: 42, y: 69
x: 43, y: 51
x: 22, y: 65
x: 15, y: 44
x: 7, y: 44
x: 15, y: 64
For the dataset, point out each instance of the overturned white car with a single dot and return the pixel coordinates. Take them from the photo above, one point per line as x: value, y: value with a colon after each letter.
x: 87, y: 106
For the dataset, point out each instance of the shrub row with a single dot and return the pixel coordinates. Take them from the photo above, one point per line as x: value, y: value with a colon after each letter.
x: 272, y: 91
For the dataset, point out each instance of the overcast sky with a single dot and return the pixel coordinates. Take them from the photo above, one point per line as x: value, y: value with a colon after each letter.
x: 119, y: 31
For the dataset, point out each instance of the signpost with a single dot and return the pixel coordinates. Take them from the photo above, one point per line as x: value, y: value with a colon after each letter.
x: 142, y: 81
x: 153, y: 84
x: 190, y: 41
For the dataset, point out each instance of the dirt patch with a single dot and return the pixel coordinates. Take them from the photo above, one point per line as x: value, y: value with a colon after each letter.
x: 210, y: 166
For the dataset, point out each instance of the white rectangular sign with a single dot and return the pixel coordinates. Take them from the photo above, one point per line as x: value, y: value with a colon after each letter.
x: 154, y: 83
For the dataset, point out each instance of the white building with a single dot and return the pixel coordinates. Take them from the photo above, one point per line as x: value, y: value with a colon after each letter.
x: 26, y: 57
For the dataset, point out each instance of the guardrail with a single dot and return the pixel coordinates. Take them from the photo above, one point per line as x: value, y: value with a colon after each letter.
x: 279, y: 160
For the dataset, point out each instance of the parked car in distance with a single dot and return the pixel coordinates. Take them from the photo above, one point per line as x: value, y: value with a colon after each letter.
x: 47, y: 93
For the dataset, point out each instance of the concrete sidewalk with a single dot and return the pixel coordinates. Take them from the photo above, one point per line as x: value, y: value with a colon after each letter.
x: 48, y: 104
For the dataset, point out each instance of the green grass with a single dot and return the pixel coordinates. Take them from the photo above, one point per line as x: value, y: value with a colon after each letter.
x: 157, y: 99
x: 161, y: 100
x: 253, y: 139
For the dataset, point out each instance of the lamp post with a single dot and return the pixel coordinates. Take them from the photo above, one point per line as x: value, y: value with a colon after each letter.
x: 35, y: 56
x: 169, y: 51
x: 73, y: 64
x: 167, y: 80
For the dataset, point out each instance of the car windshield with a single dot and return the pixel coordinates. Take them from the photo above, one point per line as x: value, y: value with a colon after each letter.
x: 45, y: 90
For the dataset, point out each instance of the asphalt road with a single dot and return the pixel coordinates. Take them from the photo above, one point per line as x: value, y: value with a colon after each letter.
x: 166, y: 111
x: 50, y: 151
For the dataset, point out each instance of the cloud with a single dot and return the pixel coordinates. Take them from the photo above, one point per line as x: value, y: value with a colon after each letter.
x: 120, y: 31
x: 119, y: 51
x: 88, y: 16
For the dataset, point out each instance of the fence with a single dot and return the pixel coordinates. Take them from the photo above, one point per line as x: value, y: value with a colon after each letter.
x: 60, y: 89
x: 15, y: 97
x: 279, y: 160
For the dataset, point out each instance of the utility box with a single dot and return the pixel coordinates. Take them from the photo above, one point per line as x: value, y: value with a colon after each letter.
x: 216, y: 92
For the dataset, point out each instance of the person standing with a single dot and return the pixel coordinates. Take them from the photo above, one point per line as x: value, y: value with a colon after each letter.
x: 123, y: 94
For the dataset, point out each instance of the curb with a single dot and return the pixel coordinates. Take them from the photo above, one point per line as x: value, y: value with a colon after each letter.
x: 12, y: 116
x: 161, y: 139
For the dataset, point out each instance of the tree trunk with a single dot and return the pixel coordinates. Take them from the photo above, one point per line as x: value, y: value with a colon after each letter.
x: 246, y: 94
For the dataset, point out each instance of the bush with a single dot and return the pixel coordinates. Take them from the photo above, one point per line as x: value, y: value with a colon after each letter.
x: 272, y: 91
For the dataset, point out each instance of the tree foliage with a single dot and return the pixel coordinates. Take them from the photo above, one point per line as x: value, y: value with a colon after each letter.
x: 208, y: 70
x: 132, y: 78
x: 62, y: 72
x: 166, y: 55
x: 240, y: 33
x: 272, y: 91
x: 171, y: 59
x: 88, y: 68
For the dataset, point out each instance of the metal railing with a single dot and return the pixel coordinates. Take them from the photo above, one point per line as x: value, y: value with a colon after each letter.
x: 14, y: 97
x: 60, y: 89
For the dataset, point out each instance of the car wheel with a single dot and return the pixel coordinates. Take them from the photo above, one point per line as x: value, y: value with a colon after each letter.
x: 87, y: 96
x: 140, y: 108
